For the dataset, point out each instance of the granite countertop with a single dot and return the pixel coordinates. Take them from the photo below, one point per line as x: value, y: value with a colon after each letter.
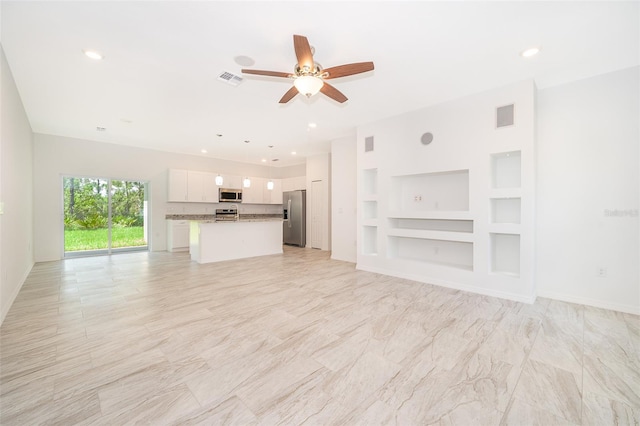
x: 251, y: 217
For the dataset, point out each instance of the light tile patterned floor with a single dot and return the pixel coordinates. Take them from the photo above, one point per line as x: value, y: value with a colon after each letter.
x: 291, y: 339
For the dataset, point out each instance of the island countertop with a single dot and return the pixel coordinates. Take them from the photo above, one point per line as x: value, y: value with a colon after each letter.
x: 250, y: 217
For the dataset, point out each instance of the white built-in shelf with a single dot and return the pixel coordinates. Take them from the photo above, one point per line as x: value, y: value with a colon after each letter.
x: 505, y: 193
x: 506, y: 170
x: 369, y: 210
x: 505, y: 210
x: 430, y: 224
x: 505, y: 228
x: 369, y: 183
x: 369, y: 198
x: 505, y: 254
x: 369, y: 240
x: 454, y: 254
x: 431, y: 214
x: 370, y: 222
x: 438, y: 191
x: 432, y: 235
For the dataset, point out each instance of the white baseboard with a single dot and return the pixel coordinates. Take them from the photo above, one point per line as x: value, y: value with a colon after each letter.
x: 452, y: 285
x: 603, y: 304
x: 6, y: 305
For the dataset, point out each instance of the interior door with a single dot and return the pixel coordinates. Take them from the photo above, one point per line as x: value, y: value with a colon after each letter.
x: 317, y: 197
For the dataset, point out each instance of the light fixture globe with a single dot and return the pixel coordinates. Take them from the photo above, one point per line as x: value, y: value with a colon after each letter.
x: 308, y: 85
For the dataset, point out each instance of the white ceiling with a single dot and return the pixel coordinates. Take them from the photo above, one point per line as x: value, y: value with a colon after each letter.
x: 157, y: 85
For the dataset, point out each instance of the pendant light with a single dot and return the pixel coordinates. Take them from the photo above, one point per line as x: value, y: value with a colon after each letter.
x: 246, y: 183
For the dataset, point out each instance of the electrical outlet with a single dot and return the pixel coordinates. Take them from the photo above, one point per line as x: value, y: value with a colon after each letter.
x: 601, y: 272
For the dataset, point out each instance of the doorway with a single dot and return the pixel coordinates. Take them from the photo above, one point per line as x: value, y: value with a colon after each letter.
x: 103, y: 216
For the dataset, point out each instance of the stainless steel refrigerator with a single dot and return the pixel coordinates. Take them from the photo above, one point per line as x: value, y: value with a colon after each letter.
x: 295, y: 218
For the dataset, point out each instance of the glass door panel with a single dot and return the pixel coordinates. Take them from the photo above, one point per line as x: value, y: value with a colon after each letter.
x: 103, y: 215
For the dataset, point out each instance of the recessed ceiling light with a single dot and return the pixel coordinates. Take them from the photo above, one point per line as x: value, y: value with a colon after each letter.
x: 264, y: 160
x: 312, y: 125
x: 293, y: 153
x: 93, y: 54
x: 530, y: 52
x: 204, y: 151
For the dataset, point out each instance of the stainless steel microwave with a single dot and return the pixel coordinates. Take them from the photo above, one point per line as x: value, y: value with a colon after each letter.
x: 226, y: 195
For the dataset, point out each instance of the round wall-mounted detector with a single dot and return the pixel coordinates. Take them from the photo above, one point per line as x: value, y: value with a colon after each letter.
x: 244, y: 61
x: 427, y: 138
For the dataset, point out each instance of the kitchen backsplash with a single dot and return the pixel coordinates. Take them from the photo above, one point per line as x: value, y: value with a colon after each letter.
x: 200, y: 208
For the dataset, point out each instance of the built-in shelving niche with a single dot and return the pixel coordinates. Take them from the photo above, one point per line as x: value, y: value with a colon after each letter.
x: 438, y: 225
x: 440, y: 191
x: 506, y: 170
x: 369, y: 183
x: 505, y: 210
x: 370, y: 240
x: 505, y: 254
x: 369, y: 210
x: 454, y: 254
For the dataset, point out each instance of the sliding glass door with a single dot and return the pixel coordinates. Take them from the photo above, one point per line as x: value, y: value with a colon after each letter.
x: 102, y: 216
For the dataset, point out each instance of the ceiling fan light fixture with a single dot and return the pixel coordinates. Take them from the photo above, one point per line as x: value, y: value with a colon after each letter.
x: 308, y: 85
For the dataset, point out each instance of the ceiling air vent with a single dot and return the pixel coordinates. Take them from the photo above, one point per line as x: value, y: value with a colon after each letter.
x: 230, y: 78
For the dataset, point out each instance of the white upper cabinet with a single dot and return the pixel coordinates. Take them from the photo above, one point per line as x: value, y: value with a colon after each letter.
x: 294, y: 183
x: 231, y: 182
x: 192, y: 186
x: 254, y: 193
x: 273, y: 196
x: 258, y: 193
x: 202, y: 187
x: 178, y: 186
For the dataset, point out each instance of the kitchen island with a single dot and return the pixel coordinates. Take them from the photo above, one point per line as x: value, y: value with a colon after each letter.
x: 211, y: 241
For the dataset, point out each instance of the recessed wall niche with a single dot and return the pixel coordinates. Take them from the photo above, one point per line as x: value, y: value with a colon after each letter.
x: 505, y: 170
x: 440, y: 191
x: 505, y: 210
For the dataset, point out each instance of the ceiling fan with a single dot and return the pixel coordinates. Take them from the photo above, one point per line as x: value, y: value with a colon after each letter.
x: 310, y: 78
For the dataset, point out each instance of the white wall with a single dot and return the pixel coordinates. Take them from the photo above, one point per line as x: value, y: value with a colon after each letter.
x: 16, y: 191
x: 588, y: 150
x: 343, y: 199
x: 56, y: 156
x: 319, y: 169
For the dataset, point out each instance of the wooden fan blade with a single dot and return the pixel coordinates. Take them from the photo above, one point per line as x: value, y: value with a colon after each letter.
x: 289, y: 95
x: 333, y: 93
x: 303, y: 51
x: 348, y: 69
x: 267, y: 73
